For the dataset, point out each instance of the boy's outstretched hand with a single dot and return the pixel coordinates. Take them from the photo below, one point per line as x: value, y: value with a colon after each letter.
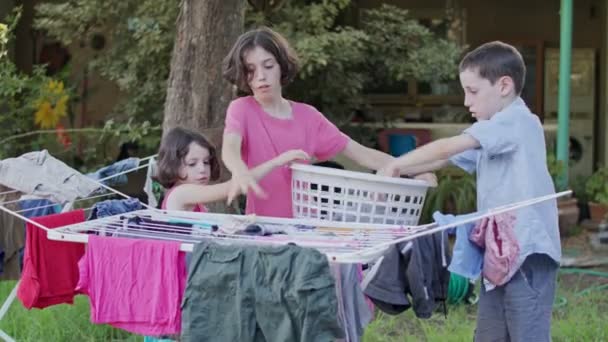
x: 389, y: 170
x: 428, y: 177
x: 392, y: 170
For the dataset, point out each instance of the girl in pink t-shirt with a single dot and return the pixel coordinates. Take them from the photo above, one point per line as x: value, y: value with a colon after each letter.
x: 264, y: 125
x: 187, y: 162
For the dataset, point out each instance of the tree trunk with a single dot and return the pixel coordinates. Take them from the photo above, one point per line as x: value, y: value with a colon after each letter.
x: 197, y: 94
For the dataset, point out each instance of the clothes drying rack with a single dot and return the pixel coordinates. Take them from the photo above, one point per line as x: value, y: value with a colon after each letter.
x: 342, y: 242
x: 94, y: 196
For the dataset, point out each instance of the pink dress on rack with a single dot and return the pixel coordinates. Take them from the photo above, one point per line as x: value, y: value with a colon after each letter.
x: 134, y: 284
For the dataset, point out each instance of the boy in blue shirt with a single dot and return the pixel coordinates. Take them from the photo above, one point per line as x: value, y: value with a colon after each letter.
x: 506, y: 149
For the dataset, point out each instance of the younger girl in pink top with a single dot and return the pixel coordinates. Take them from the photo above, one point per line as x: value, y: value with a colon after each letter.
x: 187, y: 163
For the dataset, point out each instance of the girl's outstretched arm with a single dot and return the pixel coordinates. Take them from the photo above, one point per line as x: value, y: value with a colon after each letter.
x: 186, y: 196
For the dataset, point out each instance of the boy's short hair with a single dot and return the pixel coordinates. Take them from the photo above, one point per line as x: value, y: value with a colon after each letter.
x: 234, y: 68
x: 494, y: 60
x: 173, y: 149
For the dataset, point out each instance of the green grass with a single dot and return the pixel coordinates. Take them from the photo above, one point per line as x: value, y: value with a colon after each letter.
x: 580, y: 314
x: 58, y: 323
x: 578, y: 317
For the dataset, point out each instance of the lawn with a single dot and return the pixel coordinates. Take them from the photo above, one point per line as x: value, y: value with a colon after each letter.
x: 581, y: 314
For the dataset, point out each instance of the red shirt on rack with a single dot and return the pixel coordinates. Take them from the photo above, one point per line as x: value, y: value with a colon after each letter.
x: 50, y: 268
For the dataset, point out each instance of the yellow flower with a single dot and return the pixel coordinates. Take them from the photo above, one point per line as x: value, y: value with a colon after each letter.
x: 3, y: 39
x: 3, y: 33
x: 55, y: 87
x: 52, y: 105
x: 61, y: 106
x: 47, y: 117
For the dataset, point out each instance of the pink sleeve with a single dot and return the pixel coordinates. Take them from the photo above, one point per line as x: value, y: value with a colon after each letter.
x: 329, y: 140
x: 235, y: 118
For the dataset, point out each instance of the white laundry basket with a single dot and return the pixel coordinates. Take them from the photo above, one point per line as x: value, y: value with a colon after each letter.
x: 347, y: 196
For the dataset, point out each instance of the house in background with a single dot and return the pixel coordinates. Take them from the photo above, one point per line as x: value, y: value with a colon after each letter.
x: 533, y: 26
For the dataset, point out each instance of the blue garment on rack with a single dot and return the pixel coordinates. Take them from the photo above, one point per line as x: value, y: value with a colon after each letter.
x: 36, y: 208
x: 153, y: 339
x: 467, y: 257
x: 118, y: 167
x: 114, y: 207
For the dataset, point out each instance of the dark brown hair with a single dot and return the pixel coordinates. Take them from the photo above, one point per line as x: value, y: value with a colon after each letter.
x: 234, y: 68
x: 494, y: 60
x: 173, y: 149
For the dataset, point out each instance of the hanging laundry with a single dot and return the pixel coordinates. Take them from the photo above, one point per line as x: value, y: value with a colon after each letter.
x: 114, y: 207
x: 12, y: 237
x: 354, y: 312
x: 153, y: 339
x: 467, y: 257
x: 145, y: 225
x: 50, y: 270
x: 411, y: 274
x: 259, y: 293
x: 35, y: 208
x: 134, y: 284
x: 264, y: 229
x: 110, y: 170
x: 152, y: 188
x: 42, y: 175
x: 497, y: 236
x: 12, y: 240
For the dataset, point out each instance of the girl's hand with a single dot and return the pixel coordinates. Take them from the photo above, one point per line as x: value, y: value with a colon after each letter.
x: 241, y: 182
x: 290, y: 156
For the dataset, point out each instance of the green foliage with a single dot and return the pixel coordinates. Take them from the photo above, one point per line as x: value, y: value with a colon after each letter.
x: 18, y: 95
x: 399, y: 47
x: 456, y: 193
x: 597, y: 186
x: 21, y: 98
x: 140, y: 35
x: 338, y: 60
x: 19, y: 92
x: 556, y: 167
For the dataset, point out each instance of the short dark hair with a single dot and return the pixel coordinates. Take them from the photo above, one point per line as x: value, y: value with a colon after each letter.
x: 494, y: 60
x: 234, y: 68
x: 173, y: 149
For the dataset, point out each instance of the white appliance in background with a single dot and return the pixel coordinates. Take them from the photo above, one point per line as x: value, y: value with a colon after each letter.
x: 582, y: 107
x: 581, y: 143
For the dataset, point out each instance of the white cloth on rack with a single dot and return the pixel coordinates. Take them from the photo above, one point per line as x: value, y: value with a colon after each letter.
x: 149, y: 185
x: 40, y: 174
